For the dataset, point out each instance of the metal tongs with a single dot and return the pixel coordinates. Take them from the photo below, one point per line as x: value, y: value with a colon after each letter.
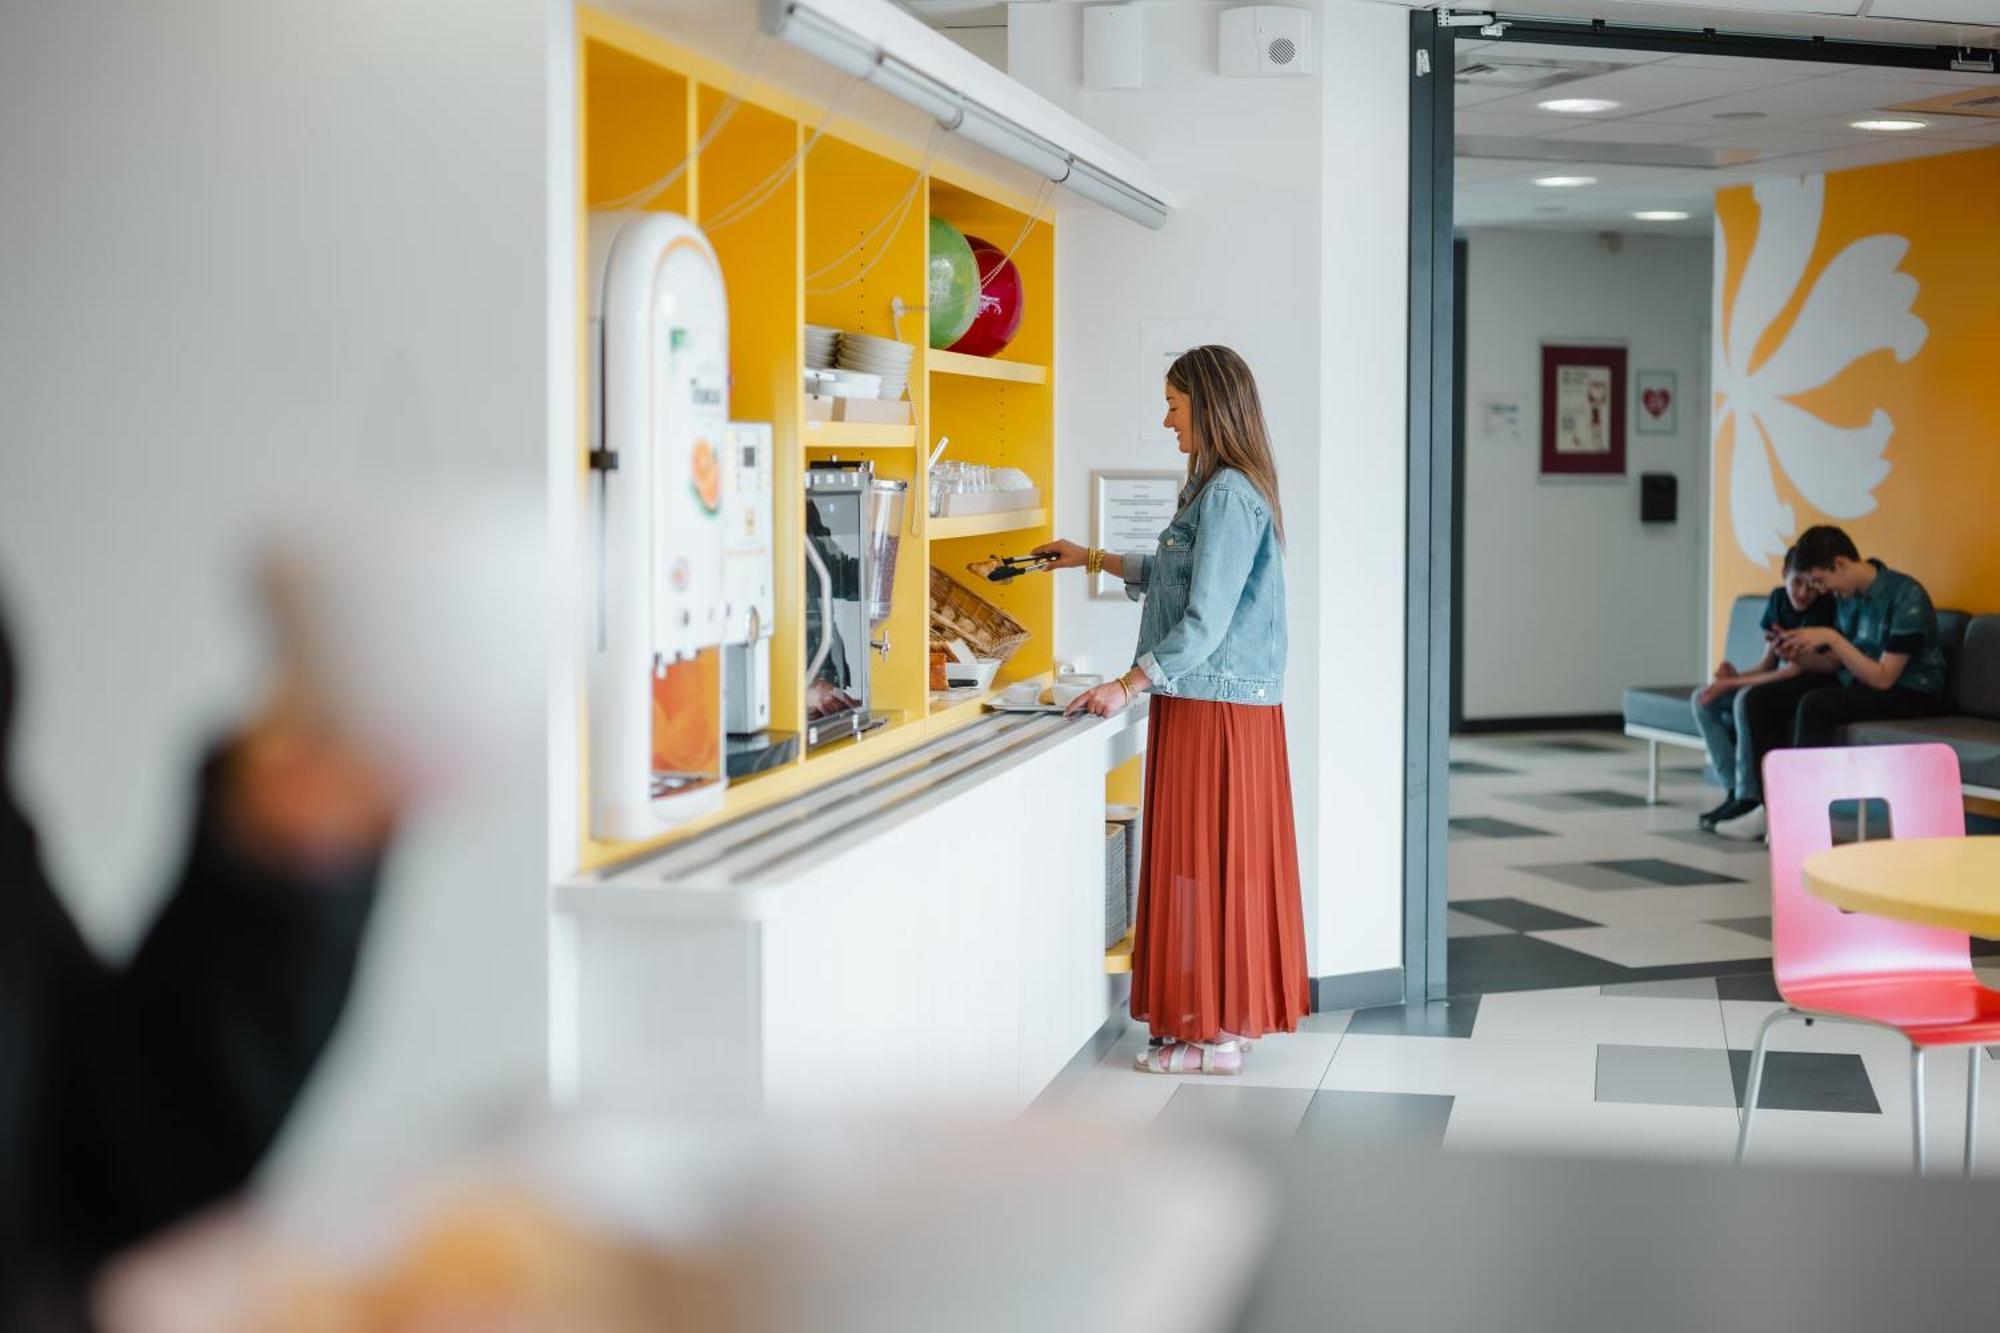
x: 1001, y: 569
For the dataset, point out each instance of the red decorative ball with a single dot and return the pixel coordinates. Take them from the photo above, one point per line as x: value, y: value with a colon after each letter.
x: 1001, y: 299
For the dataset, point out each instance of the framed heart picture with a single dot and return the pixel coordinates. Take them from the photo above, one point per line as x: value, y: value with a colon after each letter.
x: 1657, y: 405
x: 1583, y: 411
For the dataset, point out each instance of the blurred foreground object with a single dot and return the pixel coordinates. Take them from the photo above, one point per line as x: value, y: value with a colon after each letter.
x: 603, y: 1226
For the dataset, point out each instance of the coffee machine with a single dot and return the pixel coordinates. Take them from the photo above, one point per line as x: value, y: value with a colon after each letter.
x: 853, y: 532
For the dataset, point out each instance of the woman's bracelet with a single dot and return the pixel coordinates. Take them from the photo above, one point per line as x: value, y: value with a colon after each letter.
x: 1093, y: 560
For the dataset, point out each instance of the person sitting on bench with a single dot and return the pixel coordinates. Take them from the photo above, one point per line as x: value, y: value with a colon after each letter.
x: 1718, y: 705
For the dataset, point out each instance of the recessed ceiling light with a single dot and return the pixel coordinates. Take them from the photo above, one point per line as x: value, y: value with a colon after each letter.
x: 1579, y: 106
x: 1742, y: 115
x: 1890, y: 126
x: 1661, y: 215
x: 1564, y: 182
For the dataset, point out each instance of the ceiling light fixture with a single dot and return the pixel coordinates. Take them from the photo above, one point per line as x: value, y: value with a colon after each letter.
x: 1579, y: 106
x: 1661, y: 215
x: 1890, y: 126
x: 1564, y: 182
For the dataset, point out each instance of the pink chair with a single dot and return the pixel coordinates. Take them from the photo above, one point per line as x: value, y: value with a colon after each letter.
x: 1851, y: 968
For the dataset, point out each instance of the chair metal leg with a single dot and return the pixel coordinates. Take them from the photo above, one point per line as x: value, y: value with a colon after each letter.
x: 1971, y: 1107
x: 1755, y: 1083
x: 1917, y: 1054
x: 1652, y: 772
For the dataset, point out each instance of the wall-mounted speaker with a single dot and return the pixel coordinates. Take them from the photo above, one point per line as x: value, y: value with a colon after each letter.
x: 1659, y: 497
x: 1265, y: 41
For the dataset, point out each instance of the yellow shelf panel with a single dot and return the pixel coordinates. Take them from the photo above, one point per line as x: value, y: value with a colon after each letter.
x: 858, y: 435
x: 1118, y: 958
x: 985, y: 525
x: 986, y: 368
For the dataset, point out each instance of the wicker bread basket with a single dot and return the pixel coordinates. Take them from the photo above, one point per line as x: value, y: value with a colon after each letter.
x: 957, y: 612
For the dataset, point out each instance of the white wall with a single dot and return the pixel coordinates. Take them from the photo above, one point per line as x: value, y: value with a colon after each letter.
x: 1568, y: 597
x: 254, y: 251
x: 1255, y: 250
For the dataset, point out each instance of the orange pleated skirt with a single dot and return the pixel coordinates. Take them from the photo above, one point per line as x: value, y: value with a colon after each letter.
x: 1220, y: 941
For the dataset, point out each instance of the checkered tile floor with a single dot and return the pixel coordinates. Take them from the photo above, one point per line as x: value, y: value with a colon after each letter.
x: 1613, y: 966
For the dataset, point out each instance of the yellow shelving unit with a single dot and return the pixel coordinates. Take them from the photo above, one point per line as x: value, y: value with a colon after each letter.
x: 858, y: 435
x: 987, y: 368
x: 986, y: 525
x: 814, y: 249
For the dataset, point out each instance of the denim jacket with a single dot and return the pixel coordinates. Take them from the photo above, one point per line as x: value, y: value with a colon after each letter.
x: 1214, y: 593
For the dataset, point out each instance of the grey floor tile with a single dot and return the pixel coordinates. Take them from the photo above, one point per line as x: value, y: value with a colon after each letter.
x: 1580, y: 801
x: 1749, y: 986
x: 1372, y: 1120
x: 1588, y: 875
x: 1757, y: 926
x: 1517, y: 914
x: 1221, y: 1109
x: 1333, y: 1020
x: 1473, y: 768
x: 1482, y: 826
x: 1572, y: 745
x: 1671, y: 874
x: 1522, y: 962
x: 1808, y: 1081
x: 1459, y: 926
x: 1664, y: 1076
x: 1687, y: 988
x: 1715, y: 842
x: 1437, y: 1018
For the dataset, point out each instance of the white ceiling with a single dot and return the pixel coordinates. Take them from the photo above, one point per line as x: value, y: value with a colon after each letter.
x: 1664, y: 146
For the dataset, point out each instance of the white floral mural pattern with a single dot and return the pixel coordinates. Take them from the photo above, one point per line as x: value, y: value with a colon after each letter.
x: 1860, y: 304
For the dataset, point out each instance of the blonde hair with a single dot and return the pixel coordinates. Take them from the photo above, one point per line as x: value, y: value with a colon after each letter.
x: 1228, y: 419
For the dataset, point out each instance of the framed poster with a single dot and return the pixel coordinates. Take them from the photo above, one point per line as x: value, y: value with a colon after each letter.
x: 1503, y: 418
x: 1658, y: 400
x: 1583, y: 411
x: 1128, y: 512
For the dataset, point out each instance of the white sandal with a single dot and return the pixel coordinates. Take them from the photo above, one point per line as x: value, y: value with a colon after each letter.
x: 1178, y: 1057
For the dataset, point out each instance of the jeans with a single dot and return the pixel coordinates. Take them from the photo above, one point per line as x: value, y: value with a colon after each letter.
x: 1766, y: 719
x: 1822, y: 715
x: 1720, y: 723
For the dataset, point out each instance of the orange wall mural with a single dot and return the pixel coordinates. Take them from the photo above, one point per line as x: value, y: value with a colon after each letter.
x: 1857, y: 374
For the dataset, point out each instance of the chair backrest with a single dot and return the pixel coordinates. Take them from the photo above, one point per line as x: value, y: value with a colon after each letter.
x: 1977, y: 677
x: 1811, y: 939
x: 1744, y: 646
x: 1952, y: 626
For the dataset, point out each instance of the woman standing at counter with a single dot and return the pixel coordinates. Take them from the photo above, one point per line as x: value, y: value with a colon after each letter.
x: 1218, y: 952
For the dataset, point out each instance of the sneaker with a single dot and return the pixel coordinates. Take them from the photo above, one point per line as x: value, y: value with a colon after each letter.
x: 1748, y: 826
x: 1732, y: 809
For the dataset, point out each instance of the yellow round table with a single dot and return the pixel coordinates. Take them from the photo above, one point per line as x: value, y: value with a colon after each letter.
x: 1951, y: 882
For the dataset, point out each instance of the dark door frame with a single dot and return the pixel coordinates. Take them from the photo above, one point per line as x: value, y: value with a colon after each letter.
x: 1431, y: 696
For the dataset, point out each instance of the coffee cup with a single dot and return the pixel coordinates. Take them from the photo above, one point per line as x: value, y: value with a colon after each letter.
x: 1067, y: 693
x: 1022, y: 692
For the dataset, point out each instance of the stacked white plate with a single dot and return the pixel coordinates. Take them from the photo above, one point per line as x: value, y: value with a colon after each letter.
x: 878, y: 356
x: 822, y: 347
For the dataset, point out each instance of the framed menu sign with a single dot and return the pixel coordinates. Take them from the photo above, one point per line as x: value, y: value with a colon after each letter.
x: 1583, y: 410
x: 1128, y: 512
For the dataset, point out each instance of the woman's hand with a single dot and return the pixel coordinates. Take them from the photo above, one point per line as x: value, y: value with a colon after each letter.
x: 1106, y: 700
x: 1060, y: 555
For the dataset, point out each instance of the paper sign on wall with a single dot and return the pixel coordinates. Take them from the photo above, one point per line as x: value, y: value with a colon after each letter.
x: 1503, y: 418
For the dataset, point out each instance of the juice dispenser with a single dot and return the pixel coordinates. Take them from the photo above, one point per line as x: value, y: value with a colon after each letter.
x: 659, y: 421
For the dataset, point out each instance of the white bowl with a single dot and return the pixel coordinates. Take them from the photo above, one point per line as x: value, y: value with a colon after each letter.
x: 854, y: 384
x: 1022, y: 692
x: 980, y: 673
x: 869, y: 340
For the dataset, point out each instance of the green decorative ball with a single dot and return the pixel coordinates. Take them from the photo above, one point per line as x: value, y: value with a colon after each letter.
x: 953, y: 297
